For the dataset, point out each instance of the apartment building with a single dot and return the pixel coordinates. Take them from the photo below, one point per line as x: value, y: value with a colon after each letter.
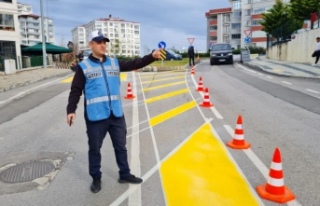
x: 245, y: 17
x: 79, y: 37
x: 30, y: 26
x: 9, y: 33
x: 218, y: 26
x: 124, y: 35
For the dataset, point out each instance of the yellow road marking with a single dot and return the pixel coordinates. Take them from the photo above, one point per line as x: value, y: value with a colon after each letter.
x: 163, y: 86
x: 148, y: 76
x: 200, y: 172
x: 67, y: 80
x: 172, y: 113
x: 123, y: 77
x: 277, y: 70
x: 164, y: 79
x: 167, y: 95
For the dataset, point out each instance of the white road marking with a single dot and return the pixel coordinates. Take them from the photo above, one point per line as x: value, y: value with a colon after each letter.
x: 154, y: 169
x: 313, y: 91
x: 213, y: 109
x: 135, y: 197
x: 286, y: 82
x: 269, y: 77
x: 249, y: 70
x: 21, y: 94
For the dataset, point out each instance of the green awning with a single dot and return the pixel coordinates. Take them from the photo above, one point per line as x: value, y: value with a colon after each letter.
x: 50, y: 49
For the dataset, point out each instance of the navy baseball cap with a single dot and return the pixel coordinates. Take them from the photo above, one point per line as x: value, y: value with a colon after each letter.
x: 97, y: 36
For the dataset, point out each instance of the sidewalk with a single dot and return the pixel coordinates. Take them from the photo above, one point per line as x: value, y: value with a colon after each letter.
x: 28, y: 76
x: 291, y: 69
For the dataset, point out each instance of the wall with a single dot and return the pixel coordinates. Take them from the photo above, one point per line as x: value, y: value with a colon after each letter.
x: 298, y: 49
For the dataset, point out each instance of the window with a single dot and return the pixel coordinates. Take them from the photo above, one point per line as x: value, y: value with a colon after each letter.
x: 236, y: 26
x: 213, y: 38
x: 258, y: 10
x: 213, y: 28
x: 256, y: 22
x: 6, y: 22
x: 236, y: 36
x: 236, y: 4
x: 226, y: 18
x: 247, y: 12
x: 8, y: 49
x: 8, y: 1
x: 237, y: 14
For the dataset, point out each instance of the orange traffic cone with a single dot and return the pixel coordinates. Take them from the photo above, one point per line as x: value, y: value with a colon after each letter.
x: 274, y: 189
x: 200, y: 85
x: 129, y: 93
x: 192, y: 70
x: 206, y: 101
x: 238, y: 141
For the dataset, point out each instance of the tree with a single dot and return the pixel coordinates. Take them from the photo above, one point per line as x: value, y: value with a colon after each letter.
x: 302, y: 9
x: 279, y: 22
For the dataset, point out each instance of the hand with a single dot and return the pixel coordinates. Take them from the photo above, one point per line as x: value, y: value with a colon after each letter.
x: 70, y: 118
x: 157, y: 53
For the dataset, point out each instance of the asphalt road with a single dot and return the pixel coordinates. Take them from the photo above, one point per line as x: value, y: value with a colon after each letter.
x: 163, y: 118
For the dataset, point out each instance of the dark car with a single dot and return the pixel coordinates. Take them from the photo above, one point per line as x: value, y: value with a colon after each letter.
x: 171, y: 55
x: 221, y: 53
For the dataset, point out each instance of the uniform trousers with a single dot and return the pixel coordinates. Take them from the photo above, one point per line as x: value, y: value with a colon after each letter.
x: 96, y: 131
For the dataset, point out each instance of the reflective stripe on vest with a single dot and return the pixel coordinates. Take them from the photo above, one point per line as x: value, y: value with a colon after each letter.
x: 102, y: 99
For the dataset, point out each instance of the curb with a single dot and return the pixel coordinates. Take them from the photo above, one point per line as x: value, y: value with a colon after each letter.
x: 261, y: 69
x: 33, y: 81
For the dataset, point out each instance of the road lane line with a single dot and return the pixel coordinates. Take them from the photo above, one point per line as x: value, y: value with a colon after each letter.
x: 249, y: 70
x: 172, y: 113
x: 213, y: 109
x: 21, y: 94
x: 67, y: 80
x: 258, y: 163
x: 162, y: 74
x: 135, y: 197
x: 167, y: 95
x: 286, y: 82
x: 164, y: 79
x: 204, y: 173
x: 313, y: 91
x: 163, y: 86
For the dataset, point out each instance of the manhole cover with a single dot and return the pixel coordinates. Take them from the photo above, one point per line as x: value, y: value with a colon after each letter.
x: 26, y: 171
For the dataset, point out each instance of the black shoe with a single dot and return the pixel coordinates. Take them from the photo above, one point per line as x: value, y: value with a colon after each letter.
x: 130, y: 179
x: 95, y: 185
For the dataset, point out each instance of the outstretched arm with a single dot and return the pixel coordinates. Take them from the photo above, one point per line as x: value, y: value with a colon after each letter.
x: 139, y: 62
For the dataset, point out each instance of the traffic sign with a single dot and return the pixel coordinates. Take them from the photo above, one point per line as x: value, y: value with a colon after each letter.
x: 247, y: 40
x: 190, y: 40
x: 162, y: 45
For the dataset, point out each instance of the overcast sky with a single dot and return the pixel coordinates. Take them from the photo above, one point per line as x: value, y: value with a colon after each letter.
x: 171, y: 21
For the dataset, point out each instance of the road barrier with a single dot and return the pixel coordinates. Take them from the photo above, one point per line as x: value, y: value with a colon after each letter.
x: 238, y: 141
x: 274, y: 189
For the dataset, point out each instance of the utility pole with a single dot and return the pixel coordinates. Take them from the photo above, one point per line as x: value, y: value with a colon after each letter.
x: 44, y: 55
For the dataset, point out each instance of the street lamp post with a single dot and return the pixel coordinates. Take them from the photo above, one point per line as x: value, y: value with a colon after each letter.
x: 43, y: 37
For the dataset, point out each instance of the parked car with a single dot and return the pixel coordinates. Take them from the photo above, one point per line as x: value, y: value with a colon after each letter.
x: 221, y: 53
x: 171, y: 55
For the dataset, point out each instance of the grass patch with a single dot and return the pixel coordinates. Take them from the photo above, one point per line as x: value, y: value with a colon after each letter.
x: 169, y: 63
